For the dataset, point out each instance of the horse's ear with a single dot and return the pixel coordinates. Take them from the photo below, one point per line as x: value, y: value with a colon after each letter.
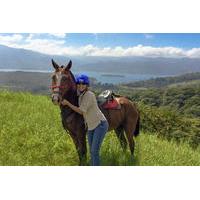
x: 69, y: 65
x: 55, y: 65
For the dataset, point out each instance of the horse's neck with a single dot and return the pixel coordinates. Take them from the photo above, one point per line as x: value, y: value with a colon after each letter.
x: 71, y: 96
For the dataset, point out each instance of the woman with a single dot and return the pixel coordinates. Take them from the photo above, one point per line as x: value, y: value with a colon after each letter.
x: 94, y: 119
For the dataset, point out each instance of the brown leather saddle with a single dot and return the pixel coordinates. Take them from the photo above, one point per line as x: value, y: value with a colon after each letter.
x: 107, y: 100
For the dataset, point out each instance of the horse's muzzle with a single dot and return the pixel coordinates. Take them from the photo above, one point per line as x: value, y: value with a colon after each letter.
x: 55, y: 99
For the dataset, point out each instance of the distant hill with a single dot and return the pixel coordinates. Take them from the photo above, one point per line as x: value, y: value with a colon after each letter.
x: 190, y: 78
x: 12, y: 58
x: 26, y: 81
x: 144, y: 65
x: 180, y: 93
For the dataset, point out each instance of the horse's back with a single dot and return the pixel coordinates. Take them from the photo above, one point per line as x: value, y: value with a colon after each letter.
x: 117, y: 117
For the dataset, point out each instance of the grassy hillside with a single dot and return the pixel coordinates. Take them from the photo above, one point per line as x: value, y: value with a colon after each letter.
x: 183, y: 97
x: 31, y: 134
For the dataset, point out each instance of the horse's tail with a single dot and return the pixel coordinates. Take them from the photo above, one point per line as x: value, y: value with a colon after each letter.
x: 137, y: 129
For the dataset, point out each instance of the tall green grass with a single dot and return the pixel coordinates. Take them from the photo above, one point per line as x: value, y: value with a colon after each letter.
x: 31, y: 134
x: 159, y: 152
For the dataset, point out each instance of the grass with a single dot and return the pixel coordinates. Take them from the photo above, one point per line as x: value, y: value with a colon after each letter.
x: 31, y: 134
x: 158, y: 152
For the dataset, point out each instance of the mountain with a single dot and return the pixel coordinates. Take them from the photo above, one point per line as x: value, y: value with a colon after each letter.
x: 144, y: 65
x: 13, y: 58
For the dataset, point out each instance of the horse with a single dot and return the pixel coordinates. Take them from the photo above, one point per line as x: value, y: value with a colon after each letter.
x: 126, y: 119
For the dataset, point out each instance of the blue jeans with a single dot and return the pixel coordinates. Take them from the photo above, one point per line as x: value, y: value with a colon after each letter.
x: 95, y: 139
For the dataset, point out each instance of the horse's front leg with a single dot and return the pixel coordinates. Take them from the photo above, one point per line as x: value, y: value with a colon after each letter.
x: 82, y: 158
x: 82, y: 151
x: 81, y: 148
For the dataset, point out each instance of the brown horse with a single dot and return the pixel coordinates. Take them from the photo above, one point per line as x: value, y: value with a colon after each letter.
x: 123, y: 120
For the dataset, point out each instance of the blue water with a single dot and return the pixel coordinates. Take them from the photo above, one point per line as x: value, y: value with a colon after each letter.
x: 100, y: 76
x: 118, y: 79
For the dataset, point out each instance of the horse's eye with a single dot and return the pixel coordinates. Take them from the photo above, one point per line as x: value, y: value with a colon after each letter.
x: 64, y: 78
x: 53, y: 77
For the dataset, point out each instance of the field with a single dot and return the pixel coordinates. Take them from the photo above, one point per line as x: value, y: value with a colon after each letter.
x: 31, y: 134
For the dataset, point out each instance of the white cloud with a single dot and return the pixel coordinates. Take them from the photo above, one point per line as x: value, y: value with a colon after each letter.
x: 138, y: 50
x: 44, y: 46
x: 10, y: 39
x: 58, y: 35
x: 57, y: 46
x: 31, y: 42
x: 195, y: 52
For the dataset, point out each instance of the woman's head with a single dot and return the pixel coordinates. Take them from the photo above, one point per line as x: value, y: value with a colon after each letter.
x: 82, y: 82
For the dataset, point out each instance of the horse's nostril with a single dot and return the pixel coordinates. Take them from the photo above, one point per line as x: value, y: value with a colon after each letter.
x: 55, y: 100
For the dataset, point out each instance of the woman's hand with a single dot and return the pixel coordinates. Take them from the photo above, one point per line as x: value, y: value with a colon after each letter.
x: 75, y: 108
x: 65, y: 102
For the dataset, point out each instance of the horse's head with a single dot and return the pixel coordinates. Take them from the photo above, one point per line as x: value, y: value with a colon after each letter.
x: 62, y: 81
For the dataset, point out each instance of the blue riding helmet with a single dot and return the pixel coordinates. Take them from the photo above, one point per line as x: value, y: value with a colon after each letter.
x: 84, y: 79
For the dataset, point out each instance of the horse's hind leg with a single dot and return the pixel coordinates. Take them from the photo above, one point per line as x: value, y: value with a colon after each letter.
x: 120, y: 135
x: 131, y: 141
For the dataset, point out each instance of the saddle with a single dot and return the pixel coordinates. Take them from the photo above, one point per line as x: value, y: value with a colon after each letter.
x: 107, y: 100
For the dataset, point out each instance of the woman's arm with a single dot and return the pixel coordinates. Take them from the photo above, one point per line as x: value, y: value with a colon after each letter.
x: 75, y: 108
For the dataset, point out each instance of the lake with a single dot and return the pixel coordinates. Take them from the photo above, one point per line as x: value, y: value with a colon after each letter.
x: 102, y: 77
x: 120, y: 78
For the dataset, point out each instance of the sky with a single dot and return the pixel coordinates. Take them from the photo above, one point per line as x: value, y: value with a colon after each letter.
x: 107, y: 44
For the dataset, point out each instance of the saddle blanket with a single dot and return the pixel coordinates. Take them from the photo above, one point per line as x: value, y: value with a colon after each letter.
x: 112, y: 104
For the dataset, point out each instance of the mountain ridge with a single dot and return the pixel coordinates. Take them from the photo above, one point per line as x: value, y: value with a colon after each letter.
x: 13, y: 58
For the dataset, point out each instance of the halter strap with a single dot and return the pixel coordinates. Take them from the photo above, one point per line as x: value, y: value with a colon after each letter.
x: 55, y: 86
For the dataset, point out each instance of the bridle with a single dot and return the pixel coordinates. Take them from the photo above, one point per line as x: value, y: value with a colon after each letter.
x: 68, y: 112
x: 55, y: 86
x: 58, y: 87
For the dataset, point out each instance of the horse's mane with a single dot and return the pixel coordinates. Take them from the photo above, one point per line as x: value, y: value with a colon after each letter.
x: 72, y: 75
x: 72, y: 93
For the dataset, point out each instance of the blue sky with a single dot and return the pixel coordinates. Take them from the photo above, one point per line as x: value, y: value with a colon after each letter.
x: 108, y: 44
x: 128, y: 40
